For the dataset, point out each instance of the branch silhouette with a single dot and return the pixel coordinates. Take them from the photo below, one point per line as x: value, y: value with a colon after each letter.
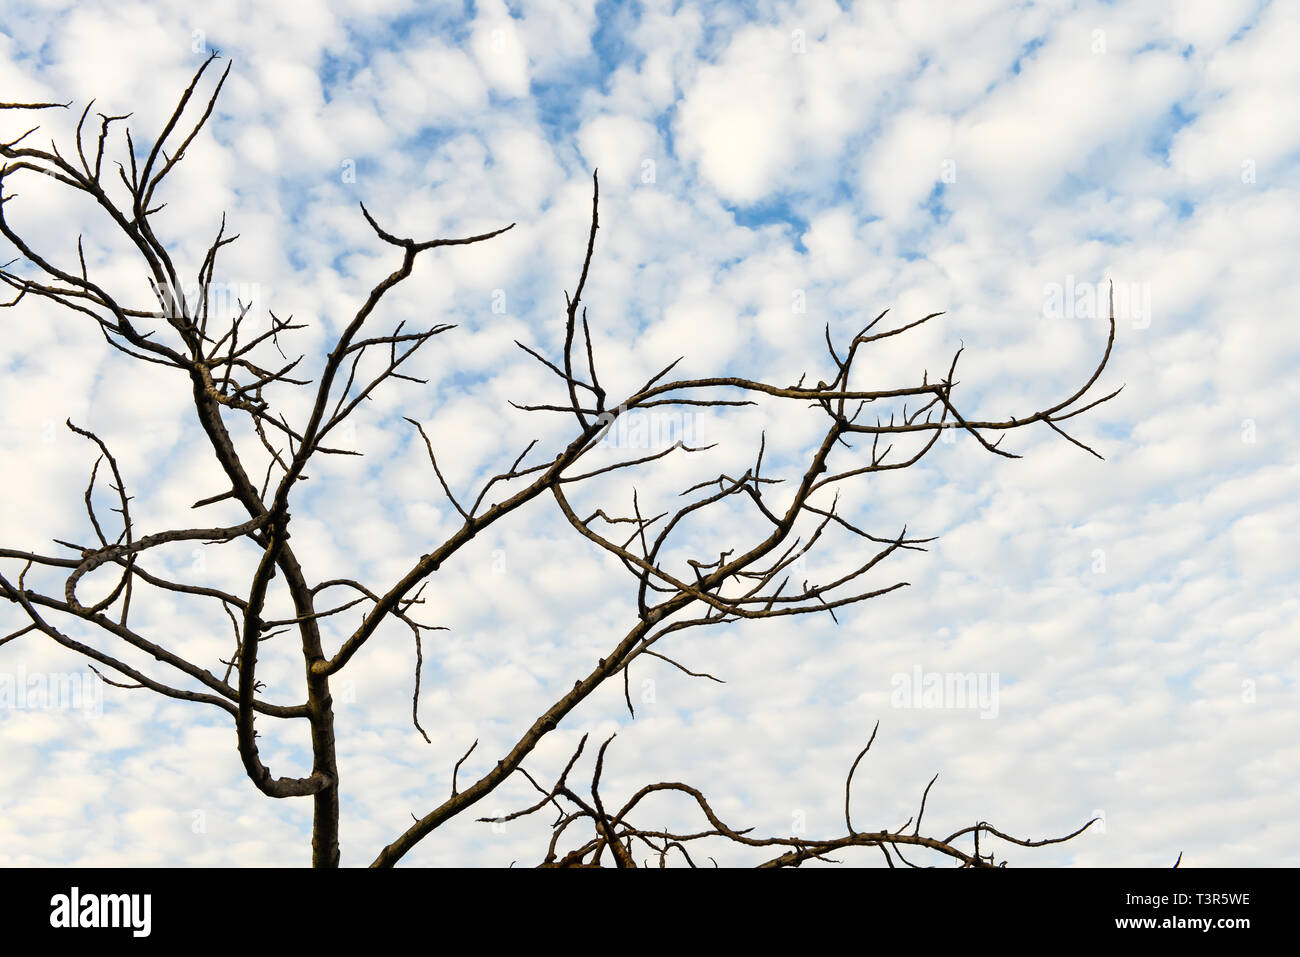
x: 235, y: 378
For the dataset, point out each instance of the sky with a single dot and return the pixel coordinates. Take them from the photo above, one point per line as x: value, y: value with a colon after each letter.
x: 767, y: 171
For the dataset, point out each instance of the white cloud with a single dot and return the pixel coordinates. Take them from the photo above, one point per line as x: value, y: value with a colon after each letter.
x: 906, y: 163
x: 620, y: 146
x: 499, y: 50
x: 1138, y: 611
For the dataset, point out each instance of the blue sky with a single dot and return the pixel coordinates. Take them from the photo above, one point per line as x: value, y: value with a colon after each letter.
x: 984, y: 159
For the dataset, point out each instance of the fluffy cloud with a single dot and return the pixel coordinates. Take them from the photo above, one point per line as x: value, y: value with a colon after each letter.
x: 812, y: 167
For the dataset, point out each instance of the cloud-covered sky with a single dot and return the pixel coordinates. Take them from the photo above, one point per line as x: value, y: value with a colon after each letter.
x: 766, y: 170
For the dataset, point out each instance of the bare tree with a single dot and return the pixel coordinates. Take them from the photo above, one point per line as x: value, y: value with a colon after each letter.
x: 233, y: 373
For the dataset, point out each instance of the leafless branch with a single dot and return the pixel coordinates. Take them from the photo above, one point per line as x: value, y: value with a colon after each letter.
x: 233, y: 365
